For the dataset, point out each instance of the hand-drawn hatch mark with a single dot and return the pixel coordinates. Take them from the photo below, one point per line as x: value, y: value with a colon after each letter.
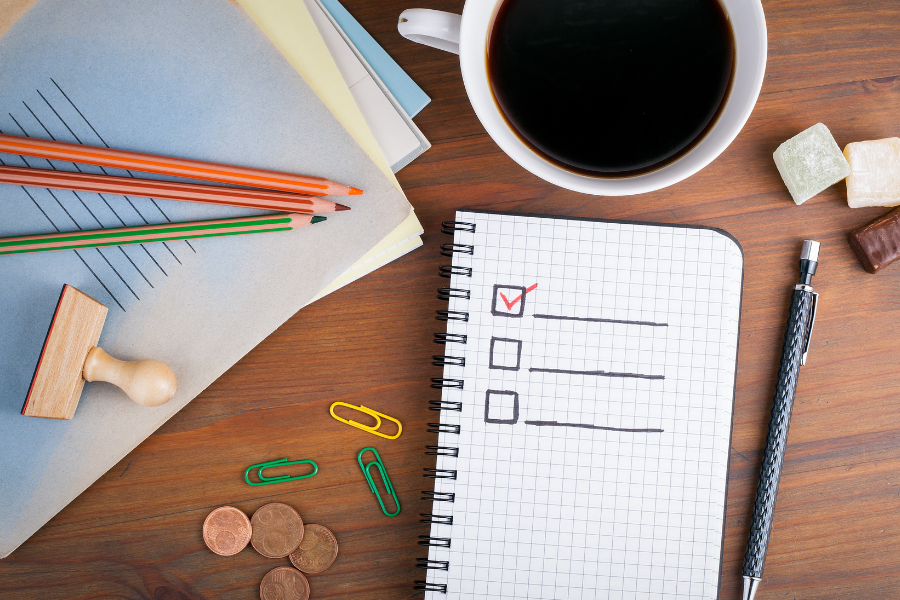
x: 515, y: 407
x: 492, y: 365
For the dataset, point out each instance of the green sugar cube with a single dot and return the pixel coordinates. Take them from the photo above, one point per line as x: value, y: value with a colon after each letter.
x: 809, y: 162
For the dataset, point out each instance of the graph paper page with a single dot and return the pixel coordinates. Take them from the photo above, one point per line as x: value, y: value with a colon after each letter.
x: 596, y: 410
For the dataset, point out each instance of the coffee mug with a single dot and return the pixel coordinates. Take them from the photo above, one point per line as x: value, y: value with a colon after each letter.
x: 468, y: 35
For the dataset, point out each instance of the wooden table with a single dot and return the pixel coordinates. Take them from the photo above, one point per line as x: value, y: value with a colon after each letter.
x: 136, y: 533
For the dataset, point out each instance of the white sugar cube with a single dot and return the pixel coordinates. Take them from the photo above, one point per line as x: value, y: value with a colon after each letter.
x: 809, y: 162
x: 874, y: 178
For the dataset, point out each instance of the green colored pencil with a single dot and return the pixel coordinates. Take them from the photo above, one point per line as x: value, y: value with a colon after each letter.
x: 165, y: 232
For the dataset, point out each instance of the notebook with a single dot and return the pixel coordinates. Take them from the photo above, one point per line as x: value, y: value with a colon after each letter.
x: 586, y: 409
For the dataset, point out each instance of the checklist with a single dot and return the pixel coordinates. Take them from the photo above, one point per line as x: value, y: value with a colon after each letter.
x: 587, y: 429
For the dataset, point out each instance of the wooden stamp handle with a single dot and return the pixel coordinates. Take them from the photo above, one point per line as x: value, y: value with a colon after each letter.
x: 148, y: 382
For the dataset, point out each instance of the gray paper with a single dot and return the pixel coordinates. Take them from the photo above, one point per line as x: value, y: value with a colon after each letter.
x: 195, y: 80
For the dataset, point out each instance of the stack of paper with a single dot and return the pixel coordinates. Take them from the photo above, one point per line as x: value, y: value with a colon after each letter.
x: 316, y: 46
x: 198, y: 81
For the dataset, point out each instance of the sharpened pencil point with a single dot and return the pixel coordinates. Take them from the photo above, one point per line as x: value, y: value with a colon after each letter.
x: 355, y: 191
x: 338, y: 207
x: 317, y: 220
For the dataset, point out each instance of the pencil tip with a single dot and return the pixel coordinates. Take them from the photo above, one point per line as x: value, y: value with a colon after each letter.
x: 355, y: 191
x: 317, y: 219
x: 338, y: 207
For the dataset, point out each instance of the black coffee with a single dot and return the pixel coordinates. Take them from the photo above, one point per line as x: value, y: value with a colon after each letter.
x: 611, y: 87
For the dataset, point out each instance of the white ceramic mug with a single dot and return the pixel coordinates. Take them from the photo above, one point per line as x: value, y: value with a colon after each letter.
x: 467, y: 35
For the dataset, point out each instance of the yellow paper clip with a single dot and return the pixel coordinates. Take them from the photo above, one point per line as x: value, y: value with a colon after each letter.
x: 373, y: 429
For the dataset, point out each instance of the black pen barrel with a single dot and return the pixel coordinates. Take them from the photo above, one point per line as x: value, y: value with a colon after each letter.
x: 795, y: 338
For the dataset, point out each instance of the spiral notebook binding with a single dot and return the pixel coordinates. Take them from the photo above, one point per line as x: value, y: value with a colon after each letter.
x: 447, y: 293
x: 451, y: 249
x: 436, y: 519
x: 445, y: 405
x: 442, y: 451
x: 451, y: 227
x: 450, y: 338
x: 427, y: 540
x: 441, y: 360
x: 440, y: 383
x: 440, y: 473
x: 438, y: 496
x: 450, y: 270
x: 440, y: 565
x: 443, y: 428
x: 452, y: 315
x: 424, y: 586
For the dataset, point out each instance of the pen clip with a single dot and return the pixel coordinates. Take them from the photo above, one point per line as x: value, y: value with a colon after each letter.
x: 812, y: 323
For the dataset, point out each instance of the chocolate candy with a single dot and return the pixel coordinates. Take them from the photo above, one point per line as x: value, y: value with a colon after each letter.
x: 877, y: 244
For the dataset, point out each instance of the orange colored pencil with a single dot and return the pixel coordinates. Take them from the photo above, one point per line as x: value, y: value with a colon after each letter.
x: 169, y: 190
x: 179, y: 167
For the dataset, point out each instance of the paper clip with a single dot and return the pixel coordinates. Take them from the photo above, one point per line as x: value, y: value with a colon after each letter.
x: 384, y: 476
x: 373, y: 429
x: 282, y: 462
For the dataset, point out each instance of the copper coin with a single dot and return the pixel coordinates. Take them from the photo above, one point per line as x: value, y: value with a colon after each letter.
x: 284, y: 583
x: 226, y: 530
x: 277, y: 530
x: 317, y: 551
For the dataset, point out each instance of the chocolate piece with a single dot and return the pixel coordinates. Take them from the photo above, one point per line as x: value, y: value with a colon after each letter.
x: 877, y: 244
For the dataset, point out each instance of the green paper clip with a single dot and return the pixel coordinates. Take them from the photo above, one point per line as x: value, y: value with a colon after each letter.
x: 384, y: 476
x: 282, y: 462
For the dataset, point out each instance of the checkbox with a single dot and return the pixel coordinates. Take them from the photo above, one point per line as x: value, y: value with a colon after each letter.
x: 506, y: 354
x: 509, y: 301
x: 501, y: 406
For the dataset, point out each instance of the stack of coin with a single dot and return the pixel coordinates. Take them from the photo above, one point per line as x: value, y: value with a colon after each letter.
x: 275, y: 531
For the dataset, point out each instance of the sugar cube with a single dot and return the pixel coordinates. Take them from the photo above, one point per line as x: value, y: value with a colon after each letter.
x: 809, y: 162
x: 874, y: 173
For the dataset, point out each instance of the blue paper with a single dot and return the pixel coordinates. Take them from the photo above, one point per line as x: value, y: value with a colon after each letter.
x: 408, y: 94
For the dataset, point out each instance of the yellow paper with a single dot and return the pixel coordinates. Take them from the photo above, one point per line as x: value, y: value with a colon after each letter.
x: 288, y: 24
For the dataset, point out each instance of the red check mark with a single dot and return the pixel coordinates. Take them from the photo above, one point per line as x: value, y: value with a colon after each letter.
x: 510, y: 304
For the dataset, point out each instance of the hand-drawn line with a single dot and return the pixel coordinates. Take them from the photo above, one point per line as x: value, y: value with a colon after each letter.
x: 492, y: 365
x: 597, y: 320
x: 102, y: 197
x: 86, y: 207
x: 66, y: 96
x: 598, y: 373
x: 511, y: 303
x: 586, y: 426
x: 77, y: 224
x: 513, y: 418
x: 105, y: 172
x: 43, y: 212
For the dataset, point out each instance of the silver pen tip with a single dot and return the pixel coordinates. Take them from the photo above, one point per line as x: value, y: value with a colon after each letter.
x: 751, y: 584
x: 810, y: 251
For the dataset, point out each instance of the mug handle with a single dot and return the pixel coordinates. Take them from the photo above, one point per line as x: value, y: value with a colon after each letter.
x: 434, y: 28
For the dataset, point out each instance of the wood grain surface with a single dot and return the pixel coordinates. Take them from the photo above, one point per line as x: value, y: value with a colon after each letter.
x: 136, y: 533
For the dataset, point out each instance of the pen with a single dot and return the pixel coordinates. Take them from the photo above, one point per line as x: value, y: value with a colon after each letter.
x: 793, y: 355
